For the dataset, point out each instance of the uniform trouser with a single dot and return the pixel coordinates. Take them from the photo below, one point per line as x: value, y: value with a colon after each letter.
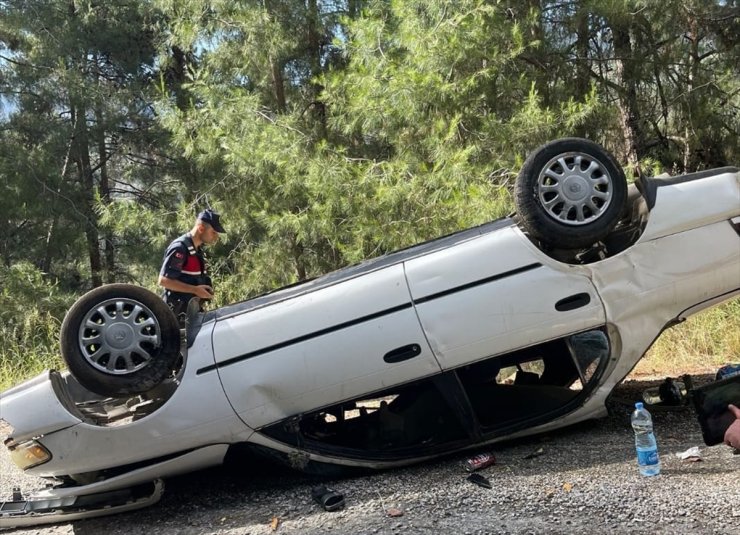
x: 180, y: 309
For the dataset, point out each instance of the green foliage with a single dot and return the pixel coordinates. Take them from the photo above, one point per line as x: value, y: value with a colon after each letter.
x: 400, y: 152
x: 328, y: 131
x: 81, y: 133
x: 29, y: 326
x: 325, y: 132
x: 22, y: 284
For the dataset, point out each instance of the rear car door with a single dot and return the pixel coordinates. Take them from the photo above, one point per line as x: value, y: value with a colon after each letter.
x: 319, y: 348
x: 495, y: 293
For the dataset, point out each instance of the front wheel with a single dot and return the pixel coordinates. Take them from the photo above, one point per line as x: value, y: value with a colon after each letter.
x: 570, y: 193
x: 120, y: 340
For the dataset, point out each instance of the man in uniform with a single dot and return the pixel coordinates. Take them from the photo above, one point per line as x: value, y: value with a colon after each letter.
x: 184, y: 274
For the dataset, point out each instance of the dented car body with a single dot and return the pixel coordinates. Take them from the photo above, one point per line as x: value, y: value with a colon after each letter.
x: 466, y: 340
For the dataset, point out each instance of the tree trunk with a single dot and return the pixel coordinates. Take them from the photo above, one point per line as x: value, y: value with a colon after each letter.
x: 110, y: 251
x: 353, y: 8
x: 298, y: 257
x: 626, y: 67
x: 583, y: 71
x: 278, y: 85
x: 276, y: 73
x: 177, y: 76
x: 536, y: 35
x: 48, y: 245
x: 87, y: 183
x: 314, y: 52
x: 80, y: 154
x: 582, y: 83
x: 694, y: 64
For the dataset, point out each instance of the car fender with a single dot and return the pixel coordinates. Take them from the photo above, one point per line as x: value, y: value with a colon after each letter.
x: 656, y: 283
x: 33, y: 408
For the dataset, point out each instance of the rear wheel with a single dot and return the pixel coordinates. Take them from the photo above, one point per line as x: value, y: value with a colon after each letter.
x: 570, y: 193
x: 120, y: 340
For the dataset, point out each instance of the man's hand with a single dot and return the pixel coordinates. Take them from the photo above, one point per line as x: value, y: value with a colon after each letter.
x: 204, y: 291
x: 732, y: 435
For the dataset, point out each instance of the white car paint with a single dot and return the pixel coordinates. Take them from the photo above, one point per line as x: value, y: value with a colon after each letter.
x: 496, y: 293
x: 693, y: 204
x: 41, y: 411
x: 312, y: 350
x: 197, y: 415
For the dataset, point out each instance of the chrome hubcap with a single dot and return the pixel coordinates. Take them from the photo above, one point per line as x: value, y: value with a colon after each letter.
x: 574, y: 188
x: 119, y: 336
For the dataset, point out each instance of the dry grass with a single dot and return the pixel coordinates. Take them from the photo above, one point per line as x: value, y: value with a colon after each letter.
x: 701, y: 344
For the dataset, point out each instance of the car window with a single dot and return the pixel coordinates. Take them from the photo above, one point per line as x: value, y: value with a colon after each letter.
x: 529, y: 385
x: 536, y: 382
x: 589, y: 349
x: 396, y: 423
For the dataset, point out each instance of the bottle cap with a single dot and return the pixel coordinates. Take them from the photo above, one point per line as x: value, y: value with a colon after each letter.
x: 638, y: 405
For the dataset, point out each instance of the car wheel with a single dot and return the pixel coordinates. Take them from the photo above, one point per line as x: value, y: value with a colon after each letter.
x: 570, y: 193
x: 120, y: 340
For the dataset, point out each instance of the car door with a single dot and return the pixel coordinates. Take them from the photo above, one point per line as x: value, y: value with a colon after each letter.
x: 321, y: 347
x: 496, y: 293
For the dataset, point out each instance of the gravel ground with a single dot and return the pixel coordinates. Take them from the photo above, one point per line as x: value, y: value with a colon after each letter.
x: 585, y: 481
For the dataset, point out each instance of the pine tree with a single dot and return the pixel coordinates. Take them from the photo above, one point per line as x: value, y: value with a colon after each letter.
x: 76, y: 76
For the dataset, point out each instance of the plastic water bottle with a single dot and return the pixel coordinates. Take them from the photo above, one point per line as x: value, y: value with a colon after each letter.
x: 647, y: 448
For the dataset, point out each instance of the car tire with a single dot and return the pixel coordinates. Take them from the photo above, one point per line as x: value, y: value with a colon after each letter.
x: 120, y: 340
x: 570, y: 193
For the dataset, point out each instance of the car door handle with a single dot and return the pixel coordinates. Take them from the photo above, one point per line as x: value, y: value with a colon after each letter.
x: 402, y: 353
x: 572, y: 302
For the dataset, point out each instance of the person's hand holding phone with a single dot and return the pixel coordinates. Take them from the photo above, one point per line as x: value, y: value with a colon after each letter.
x: 732, y: 435
x: 204, y: 291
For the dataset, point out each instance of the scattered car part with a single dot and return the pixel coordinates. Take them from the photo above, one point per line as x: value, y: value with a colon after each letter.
x: 329, y: 499
x: 65, y: 505
x: 670, y: 393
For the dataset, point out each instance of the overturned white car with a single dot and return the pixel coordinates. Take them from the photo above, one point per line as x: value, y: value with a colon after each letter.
x: 511, y: 328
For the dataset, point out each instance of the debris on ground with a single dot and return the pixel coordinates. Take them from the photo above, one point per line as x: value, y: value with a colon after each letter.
x: 691, y: 455
x: 536, y: 453
x: 392, y: 512
x: 479, y: 480
x: 329, y: 499
x: 480, y: 461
